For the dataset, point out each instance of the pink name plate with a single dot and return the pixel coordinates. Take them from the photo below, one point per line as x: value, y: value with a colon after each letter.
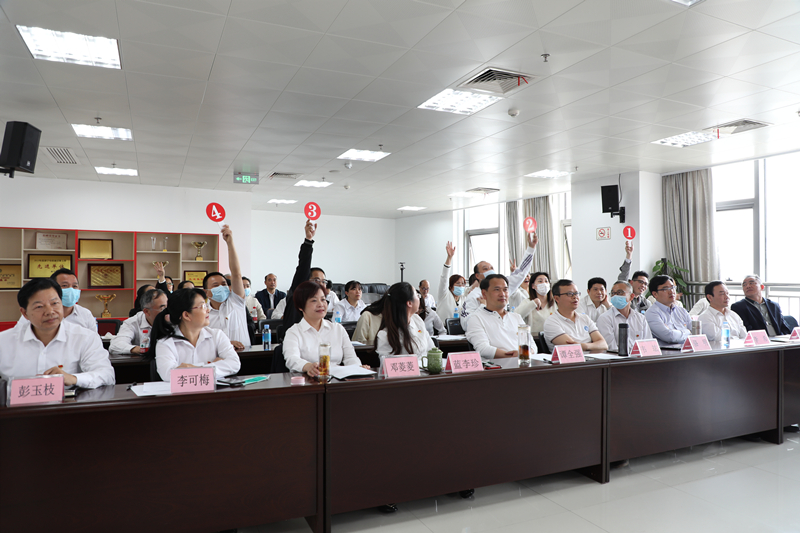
x: 696, y: 343
x: 39, y: 389
x: 183, y: 380
x: 757, y: 337
x: 795, y: 334
x: 568, y: 353
x: 399, y: 367
x: 459, y: 362
x: 646, y: 348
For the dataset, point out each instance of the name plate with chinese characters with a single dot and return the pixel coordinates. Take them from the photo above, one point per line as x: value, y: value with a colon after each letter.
x: 182, y: 380
x: 795, y: 336
x: 399, y: 367
x: 35, y: 390
x: 696, y: 343
x: 459, y: 362
x: 645, y: 348
x: 568, y: 353
x: 757, y: 337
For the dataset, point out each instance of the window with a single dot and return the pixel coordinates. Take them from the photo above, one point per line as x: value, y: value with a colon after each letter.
x: 736, y: 222
x: 781, y: 190
x: 482, y: 236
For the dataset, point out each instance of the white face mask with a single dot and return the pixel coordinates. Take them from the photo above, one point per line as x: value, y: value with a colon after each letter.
x: 542, y: 288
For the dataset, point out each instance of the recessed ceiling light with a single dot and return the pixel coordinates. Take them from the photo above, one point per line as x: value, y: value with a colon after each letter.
x: 305, y: 183
x: 102, y: 132
x: 363, y: 155
x: 687, y: 3
x: 466, y: 195
x: 686, y: 139
x: 549, y: 174
x: 66, y: 47
x: 117, y: 171
x: 459, y: 102
x: 411, y: 208
x: 277, y: 201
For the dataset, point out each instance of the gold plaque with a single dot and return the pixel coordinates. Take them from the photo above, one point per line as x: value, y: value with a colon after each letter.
x: 95, y: 249
x: 105, y: 277
x: 41, y: 266
x: 195, y: 276
x: 10, y: 276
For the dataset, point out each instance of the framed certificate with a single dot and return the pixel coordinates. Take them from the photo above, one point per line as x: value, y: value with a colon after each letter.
x: 10, y: 276
x: 41, y: 266
x: 106, y: 277
x: 51, y: 241
x: 195, y: 276
x: 95, y: 249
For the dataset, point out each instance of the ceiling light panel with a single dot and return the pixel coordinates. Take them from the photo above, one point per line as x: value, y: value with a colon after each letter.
x: 363, y: 155
x: 277, y: 201
x: 65, y: 47
x: 411, y: 208
x: 102, y: 132
x: 686, y: 139
x: 117, y: 171
x: 459, y: 102
x: 549, y: 174
x: 318, y: 184
x: 687, y: 3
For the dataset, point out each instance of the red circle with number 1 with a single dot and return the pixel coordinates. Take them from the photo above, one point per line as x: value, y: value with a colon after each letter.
x: 529, y: 224
x: 215, y: 212
x: 628, y: 232
x: 312, y: 211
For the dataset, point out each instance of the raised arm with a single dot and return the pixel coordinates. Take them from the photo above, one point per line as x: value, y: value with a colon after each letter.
x: 303, y: 271
x: 625, y: 269
x: 444, y: 280
x: 237, y: 286
x: 518, y: 276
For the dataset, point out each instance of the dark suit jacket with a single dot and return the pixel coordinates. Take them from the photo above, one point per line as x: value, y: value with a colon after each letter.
x: 292, y: 316
x: 263, y: 298
x: 752, y: 319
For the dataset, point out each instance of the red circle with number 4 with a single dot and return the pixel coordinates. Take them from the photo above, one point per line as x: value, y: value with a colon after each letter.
x: 215, y: 212
x: 628, y: 232
x: 312, y: 211
x: 529, y: 224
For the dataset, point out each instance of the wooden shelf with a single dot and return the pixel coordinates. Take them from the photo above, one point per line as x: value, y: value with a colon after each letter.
x: 10, y: 259
x: 44, y: 250
x: 193, y: 261
x: 107, y: 260
x: 109, y: 289
x: 157, y: 252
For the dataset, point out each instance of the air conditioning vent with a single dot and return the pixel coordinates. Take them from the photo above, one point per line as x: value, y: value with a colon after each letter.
x: 284, y: 175
x: 483, y: 190
x: 61, y: 156
x: 497, y: 82
x: 737, y: 126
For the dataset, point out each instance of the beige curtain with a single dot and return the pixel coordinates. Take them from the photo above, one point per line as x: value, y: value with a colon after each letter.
x: 515, y: 237
x: 545, y: 258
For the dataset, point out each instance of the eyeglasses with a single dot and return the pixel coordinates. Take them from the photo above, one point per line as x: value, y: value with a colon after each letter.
x: 570, y: 294
x: 642, y: 281
x: 203, y: 306
x: 669, y: 289
x: 619, y: 293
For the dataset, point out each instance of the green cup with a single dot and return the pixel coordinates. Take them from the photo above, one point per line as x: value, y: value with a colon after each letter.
x: 432, y: 362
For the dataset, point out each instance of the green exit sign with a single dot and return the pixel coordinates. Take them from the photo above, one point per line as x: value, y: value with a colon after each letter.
x: 246, y: 178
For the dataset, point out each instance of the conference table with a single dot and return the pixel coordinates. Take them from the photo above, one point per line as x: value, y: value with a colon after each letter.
x: 271, y: 451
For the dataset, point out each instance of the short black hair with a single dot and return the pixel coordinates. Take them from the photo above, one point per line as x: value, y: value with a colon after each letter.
x: 170, y: 278
x: 658, y: 280
x: 205, y: 279
x: 248, y: 279
x: 310, y: 272
x: 640, y: 274
x: 488, y: 279
x: 475, y: 268
x: 60, y: 271
x: 556, y: 288
x: 710, y: 287
x: 183, y: 283
x: 35, y: 285
x: 595, y: 281
x: 149, y: 296
x: 352, y: 285
x: 472, y: 278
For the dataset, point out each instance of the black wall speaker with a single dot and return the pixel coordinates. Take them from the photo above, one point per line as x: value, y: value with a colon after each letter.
x: 20, y: 147
x: 610, y: 195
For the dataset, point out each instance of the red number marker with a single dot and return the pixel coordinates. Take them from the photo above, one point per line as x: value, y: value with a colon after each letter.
x: 628, y: 232
x: 530, y: 224
x: 215, y: 212
x: 312, y: 211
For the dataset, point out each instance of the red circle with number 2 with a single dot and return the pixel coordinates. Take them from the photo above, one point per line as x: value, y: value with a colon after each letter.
x: 628, y: 232
x: 312, y: 211
x: 215, y: 212
x: 529, y: 224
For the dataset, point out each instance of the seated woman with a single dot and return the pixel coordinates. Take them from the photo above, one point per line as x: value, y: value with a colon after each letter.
x: 301, y: 342
x: 402, y: 330
x: 186, y: 341
x: 350, y: 308
x: 432, y: 321
x: 369, y: 322
x: 541, y: 304
x: 137, y: 305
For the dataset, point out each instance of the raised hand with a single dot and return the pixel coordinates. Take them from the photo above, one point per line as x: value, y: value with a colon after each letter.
x: 533, y: 239
x: 451, y: 250
x: 311, y: 230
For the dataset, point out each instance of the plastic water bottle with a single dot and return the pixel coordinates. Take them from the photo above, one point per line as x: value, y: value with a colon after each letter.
x: 338, y: 317
x: 455, y: 313
x: 144, y: 344
x: 254, y: 314
x: 266, y: 337
x: 726, y: 335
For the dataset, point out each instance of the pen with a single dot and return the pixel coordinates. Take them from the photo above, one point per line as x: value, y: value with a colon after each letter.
x: 132, y: 385
x: 548, y: 362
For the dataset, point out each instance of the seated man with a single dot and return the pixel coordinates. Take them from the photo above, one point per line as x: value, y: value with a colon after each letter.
x: 758, y: 312
x: 71, y: 293
x: 130, y: 334
x: 669, y: 323
x: 718, y: 312
x: 317, y: 275
x: 595, y: 303
x: 227, y: 312
x: 566, y: 325
x: 621, y: 313
x: 250, y: 301
x: 425, y: 292
x: 492, y: 330
x: 48, y: 344
x: 271, y: 296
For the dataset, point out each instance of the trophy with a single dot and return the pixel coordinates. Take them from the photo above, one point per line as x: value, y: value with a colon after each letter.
x: 105, y: 298
x: 199, y: 246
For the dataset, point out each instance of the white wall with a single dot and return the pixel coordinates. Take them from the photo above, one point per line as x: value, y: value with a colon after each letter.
x: 651, y: 219
x: 345, y: 247
x: 421, y: 242
x: 97, y: 205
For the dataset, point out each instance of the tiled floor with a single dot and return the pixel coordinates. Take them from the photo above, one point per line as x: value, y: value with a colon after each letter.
x: 730, y: 486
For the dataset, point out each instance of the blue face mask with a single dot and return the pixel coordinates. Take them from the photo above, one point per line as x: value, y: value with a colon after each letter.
x: 488, y: 273
x: 69, y: 297
x: 247, y: 293
x: 220, y: 294
x: 618, y: 301
x: 458, y: 291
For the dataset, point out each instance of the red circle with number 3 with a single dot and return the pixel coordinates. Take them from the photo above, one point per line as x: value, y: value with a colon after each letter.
x: 312, y: 211
x: 215, y: 212
x: 529, y: 224
x: 628, y: 232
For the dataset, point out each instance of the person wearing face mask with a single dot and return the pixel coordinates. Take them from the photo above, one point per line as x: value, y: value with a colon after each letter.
x: 251, y: 302
x: 621, y: 313
x: 521, y: 295
x: 541, y: 303
x: 227, y: 311
x: 451, y: 288
x: 128, y: 339
x: 70, y: 294
x: 596, y: 302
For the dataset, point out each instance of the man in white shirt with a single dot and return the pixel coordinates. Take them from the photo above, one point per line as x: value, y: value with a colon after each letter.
x: 471, y: 302
x: 425, y: 292
x: 129, y: 338
x: 566, y: 325
x: 47, y: 344
x: 669, y: 323
x: 317, y: 276
x: 622, y: 313
x: 228, y: 313
x: 492, y: 330
x: 595, y: 303
x: 251, y: 303
x: 718, y: 312
x: 71, y: 293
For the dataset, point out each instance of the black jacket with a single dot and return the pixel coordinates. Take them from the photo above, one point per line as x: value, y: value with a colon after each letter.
x: 292, y: 316
x: 263, y: 298
x: 752, y: 319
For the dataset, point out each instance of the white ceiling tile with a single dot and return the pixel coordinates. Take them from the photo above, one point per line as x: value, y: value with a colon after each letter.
x: 526, y: 55
x: 514, y: 11
x: 394, y: 138
x: 394, y: 92
x: 11, y: 44
x: 100, y: 100
x: 222, y: 114
x: 266, y: 42
x: 354, y: 56
x: 610, y: 102
x: 370, y: 111
x: 700, y: 120
x: 306, y: 104
x: 717, y: 92
x: 219, y: 7
x: 165, y: 60
x: 290, y: 122
x: 667, y: 80
x: 776, y: 74
x: 760, y: 103
x: 416, y: 65
x: 788, y: 28
x: 161, y: 124
x: 120, y: 117
x: 740, y: 54
x: 302, y: 14
x: 783, y: 115
x: 328, y: 83
x: 658, y: 111
x: 24, y: 70
x: 252, y: 73
x: 556, y: 91
x: 169, y: 26
x: 479, y: 126
x: 611, y: 67
x: 748, y: 13
x: 235, y: 95
x: 350, y: 127
x: 87, y: 17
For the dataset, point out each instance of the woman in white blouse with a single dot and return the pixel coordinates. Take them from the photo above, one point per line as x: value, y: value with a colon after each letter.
x: 432, y: 321
x: 541, y: 304
x: 402, y: 330
x: 452, y: 288
x: 186, y: 341
x: 351, y: 307
x: 301, y: 342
